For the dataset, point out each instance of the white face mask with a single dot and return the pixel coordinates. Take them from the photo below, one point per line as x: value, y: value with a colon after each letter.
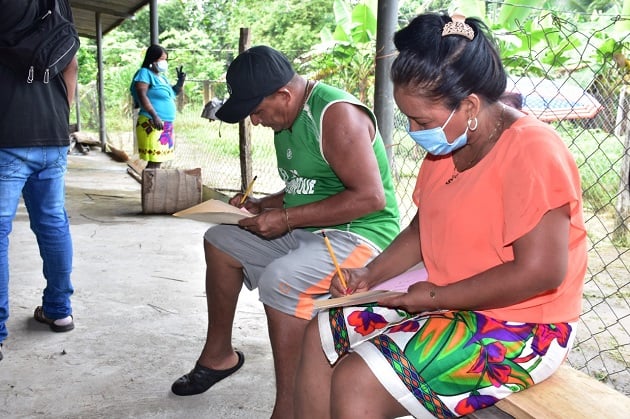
x: 161, y: 66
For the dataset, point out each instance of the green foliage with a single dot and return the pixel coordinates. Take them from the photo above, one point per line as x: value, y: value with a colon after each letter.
x: 345, y: 56
x: 173, y: 15
x: 550, y: 45
x: 290, y: 26
x: 87, y: 61
x: 476, y: 8
x: 517, y: 11
x: 408, y: 9
x: 202, y: 36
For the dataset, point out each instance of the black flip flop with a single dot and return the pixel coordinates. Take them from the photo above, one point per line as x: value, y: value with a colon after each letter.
x: 201, y: 378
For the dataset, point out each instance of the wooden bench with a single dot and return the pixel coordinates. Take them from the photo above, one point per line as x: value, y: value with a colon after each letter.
x: 568, y: 393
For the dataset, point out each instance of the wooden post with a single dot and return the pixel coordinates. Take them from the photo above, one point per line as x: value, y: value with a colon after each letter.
x: 102, y: 133
x: 245, y: 126
x: 621, y: 233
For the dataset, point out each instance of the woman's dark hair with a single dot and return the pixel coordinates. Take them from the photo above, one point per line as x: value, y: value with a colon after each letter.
x: 447, y: 68
x: 154, y: 52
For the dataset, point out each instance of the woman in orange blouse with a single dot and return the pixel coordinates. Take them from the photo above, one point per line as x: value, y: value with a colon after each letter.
x: 499, y: 229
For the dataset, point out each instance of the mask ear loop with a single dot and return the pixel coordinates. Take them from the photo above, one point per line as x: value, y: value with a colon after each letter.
x: 470, y: 123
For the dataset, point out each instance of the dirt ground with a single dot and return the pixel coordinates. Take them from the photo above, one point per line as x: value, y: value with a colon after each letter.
x: 139, y: 310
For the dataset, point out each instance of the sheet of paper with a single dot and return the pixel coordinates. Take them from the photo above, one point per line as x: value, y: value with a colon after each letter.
x: 355, y: 299
x: 394, y: 286
x: 215, y: 212
x: 404, y: 280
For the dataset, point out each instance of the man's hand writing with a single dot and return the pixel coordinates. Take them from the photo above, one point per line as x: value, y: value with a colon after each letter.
x: 251, y: 204
x: 269, y: 223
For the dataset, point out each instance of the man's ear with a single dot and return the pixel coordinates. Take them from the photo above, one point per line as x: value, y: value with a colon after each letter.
x: 284, y: 94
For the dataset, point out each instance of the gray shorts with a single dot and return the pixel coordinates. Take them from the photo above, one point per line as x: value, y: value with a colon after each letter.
x: 293, y: 271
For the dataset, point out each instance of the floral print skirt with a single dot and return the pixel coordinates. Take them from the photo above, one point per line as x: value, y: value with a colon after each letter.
x: 154, y: 145
x: 446, y: 364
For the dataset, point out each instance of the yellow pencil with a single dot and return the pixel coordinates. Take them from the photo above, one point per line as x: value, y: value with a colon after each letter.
x: 334, y: 259
x: 248, y: 190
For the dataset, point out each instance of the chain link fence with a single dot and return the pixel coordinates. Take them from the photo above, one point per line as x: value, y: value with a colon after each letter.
x: 597, y: 133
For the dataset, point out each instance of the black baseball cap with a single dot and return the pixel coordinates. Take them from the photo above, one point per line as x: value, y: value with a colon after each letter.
x: 253, y: 75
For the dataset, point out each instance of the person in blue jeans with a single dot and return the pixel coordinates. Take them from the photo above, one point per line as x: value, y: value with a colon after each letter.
x: 34, y: 141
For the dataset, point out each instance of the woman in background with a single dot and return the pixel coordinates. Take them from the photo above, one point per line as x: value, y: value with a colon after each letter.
x: 155, y: 97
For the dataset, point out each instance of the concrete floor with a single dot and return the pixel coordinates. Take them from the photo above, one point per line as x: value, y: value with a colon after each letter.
x: 139, y: 310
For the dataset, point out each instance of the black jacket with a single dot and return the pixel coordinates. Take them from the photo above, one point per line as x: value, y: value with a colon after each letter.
x: 31, y: 114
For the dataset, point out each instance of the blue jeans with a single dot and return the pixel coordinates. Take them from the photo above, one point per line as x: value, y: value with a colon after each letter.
x: 38, y: 175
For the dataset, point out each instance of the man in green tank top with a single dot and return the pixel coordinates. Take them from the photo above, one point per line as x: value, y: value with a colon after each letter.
x: 337, y: 179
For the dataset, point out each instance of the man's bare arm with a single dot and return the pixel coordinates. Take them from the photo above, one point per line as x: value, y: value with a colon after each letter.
x: 69, y: 75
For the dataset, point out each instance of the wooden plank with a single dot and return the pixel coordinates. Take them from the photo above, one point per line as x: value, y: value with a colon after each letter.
x: 134, y: 168
x: 491, y: 412
x: 136, y: 165
x: 134, y: 174
x: 568, y: 393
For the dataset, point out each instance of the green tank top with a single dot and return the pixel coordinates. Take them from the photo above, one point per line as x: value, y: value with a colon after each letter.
x: 309, y: 178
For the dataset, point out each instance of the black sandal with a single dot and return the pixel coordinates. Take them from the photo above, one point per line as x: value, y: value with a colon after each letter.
x: 201, y: 378
x: 39, y: 316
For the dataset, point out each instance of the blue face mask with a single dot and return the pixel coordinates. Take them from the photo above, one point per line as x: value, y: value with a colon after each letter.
x: 434, y: 140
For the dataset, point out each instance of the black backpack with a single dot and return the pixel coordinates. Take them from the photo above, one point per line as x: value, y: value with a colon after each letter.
x: 44, y: 48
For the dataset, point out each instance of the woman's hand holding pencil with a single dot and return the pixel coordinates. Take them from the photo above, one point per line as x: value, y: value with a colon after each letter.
x: 350, y: 280
x: 334, y: 259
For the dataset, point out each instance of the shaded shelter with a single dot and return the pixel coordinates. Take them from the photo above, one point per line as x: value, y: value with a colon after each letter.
x: 109, y: 13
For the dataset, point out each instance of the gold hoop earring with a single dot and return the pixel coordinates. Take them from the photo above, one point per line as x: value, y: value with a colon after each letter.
x: 470, y: 123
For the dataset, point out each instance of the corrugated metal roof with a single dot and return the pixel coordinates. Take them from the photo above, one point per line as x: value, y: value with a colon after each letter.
x: 112, y: 12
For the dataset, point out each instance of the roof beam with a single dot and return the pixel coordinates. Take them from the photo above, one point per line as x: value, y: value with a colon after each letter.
x: 103, y: 10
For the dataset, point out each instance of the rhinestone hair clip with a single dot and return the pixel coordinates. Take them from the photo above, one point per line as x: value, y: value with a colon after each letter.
x: 458, y: 26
